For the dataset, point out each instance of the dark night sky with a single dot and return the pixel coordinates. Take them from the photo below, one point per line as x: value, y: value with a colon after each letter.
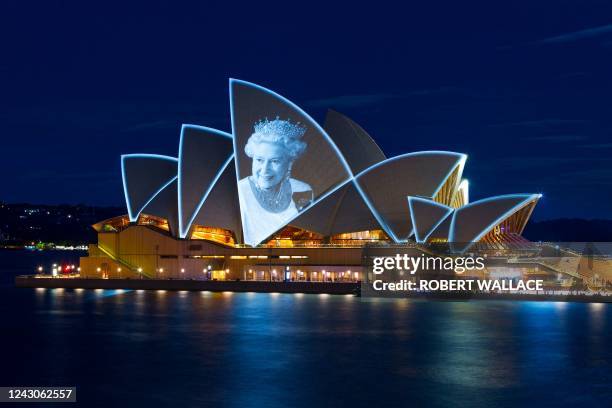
x: 523, y: 87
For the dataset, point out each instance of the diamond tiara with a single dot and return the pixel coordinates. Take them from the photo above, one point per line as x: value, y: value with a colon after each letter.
x: 279, y: 127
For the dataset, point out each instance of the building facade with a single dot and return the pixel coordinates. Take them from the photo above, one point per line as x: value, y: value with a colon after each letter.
x: 283, y: 198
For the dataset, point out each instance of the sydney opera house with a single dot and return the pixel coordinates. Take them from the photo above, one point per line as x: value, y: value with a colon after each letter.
x: 283, y: 198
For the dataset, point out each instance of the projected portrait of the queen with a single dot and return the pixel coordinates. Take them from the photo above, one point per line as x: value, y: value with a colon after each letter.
x: 269, y: 196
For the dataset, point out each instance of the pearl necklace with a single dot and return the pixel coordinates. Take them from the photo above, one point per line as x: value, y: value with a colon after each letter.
x: 270, y: 200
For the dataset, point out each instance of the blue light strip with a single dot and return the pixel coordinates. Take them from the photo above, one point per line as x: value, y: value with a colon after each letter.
x: 134, y: 217
x: 184, y: 229
x: 528, y: 198
x: 464, y: 188
x: 448, y: 209
x: 292, y: 105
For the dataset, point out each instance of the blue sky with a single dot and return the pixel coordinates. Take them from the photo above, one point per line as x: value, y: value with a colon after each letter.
x: 522, y: 87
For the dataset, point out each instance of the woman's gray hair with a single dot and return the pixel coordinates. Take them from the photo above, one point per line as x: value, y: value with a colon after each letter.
x: 281, y: 132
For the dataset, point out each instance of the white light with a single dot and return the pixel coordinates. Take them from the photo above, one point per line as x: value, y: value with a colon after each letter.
x: 182, y: 270
x: 40, y: 269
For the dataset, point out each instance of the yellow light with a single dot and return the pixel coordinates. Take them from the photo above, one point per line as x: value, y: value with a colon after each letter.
x: 139, y: 270
x: 118, y: 269
x: 98, y: 269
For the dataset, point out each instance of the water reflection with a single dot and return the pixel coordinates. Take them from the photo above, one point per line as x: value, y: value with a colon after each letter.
x: 255, y: 349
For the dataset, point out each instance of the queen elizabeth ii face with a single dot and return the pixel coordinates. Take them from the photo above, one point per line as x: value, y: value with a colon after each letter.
x: 271, y: 163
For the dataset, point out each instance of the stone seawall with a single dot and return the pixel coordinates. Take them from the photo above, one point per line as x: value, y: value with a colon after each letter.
x: 333, y: 288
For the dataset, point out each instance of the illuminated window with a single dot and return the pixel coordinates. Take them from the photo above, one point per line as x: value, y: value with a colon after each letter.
x: 218, y: 235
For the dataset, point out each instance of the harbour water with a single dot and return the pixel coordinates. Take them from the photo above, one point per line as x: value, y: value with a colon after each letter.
x: 162, y: 348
